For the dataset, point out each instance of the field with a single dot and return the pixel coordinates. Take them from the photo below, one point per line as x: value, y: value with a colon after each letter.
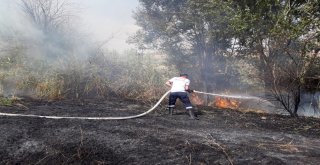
x: 221, y: 136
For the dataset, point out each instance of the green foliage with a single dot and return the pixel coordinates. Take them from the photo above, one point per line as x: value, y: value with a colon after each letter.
x: 281, y: 37
x: 195, y: 35
x: 257, y: 20
x: 6, y: 101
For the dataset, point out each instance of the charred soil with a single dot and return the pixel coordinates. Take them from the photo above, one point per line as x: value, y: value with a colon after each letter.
x: 219, y: 137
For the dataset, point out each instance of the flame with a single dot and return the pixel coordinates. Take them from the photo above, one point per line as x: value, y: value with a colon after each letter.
x: 222, y: 102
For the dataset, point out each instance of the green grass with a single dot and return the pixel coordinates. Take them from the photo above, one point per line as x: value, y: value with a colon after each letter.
x: 6, y: 101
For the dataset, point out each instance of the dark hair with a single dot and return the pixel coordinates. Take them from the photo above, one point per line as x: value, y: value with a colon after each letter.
x: 183, y: 74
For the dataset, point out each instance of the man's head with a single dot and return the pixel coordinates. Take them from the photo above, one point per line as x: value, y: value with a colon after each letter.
x: 184, y: 75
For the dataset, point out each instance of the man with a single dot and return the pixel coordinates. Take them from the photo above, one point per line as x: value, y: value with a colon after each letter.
x: 179, y: 88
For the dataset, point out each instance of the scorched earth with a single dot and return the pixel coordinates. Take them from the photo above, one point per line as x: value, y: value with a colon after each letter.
x: 221, y: 136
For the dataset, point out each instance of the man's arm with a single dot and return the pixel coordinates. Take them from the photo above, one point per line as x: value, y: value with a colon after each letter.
x: 187, y: 83
x: 186, y: 87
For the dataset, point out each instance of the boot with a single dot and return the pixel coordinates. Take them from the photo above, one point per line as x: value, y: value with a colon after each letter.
x: 170, y: 110
x: 192, y: 115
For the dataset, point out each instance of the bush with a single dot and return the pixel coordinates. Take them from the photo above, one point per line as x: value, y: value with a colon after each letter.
x: 101, y: 74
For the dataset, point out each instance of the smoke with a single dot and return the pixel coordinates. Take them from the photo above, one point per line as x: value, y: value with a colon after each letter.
x: 44, y: 56
x: 309, y: 105
x: 14, y: 26
x: 34, y: 50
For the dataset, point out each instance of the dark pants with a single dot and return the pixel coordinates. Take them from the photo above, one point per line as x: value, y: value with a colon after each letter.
x: 183, y: 96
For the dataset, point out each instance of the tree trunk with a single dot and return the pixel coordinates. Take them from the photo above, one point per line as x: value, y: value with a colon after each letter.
x: 296, y: 99
x: 206, y: 71
x: 266, y: 68
x: 204, y: 77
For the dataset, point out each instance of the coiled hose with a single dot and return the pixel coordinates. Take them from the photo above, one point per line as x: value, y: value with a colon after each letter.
x: 90, y: 118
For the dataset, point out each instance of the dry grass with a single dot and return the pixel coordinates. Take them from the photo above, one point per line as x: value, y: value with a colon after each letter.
x: 287, y: 147
x: 247, y: 110
x: 212, y: 143
x: 50, y: 89
x: 130, y: 77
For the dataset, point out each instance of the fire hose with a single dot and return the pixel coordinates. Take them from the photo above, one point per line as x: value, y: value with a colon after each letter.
x: 115, y: 118
x: 228, y: 96
x: 90, y: 118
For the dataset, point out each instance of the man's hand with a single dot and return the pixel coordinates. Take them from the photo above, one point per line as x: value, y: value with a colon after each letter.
x: 190, y: 90
x: 169, y: 84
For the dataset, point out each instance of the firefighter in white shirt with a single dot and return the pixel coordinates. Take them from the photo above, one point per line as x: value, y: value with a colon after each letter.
x: 179, y: 88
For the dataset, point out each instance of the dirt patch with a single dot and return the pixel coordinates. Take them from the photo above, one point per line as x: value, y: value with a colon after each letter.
x: 219, y: 137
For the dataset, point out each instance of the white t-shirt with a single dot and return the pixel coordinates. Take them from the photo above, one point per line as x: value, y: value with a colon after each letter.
x: 178, y: 84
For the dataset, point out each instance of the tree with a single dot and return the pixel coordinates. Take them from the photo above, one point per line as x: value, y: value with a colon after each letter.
x: 53, y: 19
x: 47, y: 15
x: 280, y: 36
x: 40, y: 49
x: 194, y: 33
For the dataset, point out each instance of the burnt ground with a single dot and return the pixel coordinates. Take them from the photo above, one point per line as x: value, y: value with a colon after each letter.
x: 219, y: 137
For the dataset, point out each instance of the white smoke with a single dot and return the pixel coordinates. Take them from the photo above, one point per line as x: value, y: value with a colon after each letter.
x: 310, y: 104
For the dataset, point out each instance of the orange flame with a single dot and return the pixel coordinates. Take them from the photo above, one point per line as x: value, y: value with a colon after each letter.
x: 222, y: 102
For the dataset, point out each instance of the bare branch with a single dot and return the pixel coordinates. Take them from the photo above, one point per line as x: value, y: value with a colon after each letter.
x: 48, y: 15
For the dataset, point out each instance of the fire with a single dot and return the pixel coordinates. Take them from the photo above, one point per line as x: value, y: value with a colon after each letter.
x: 222, y: 102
